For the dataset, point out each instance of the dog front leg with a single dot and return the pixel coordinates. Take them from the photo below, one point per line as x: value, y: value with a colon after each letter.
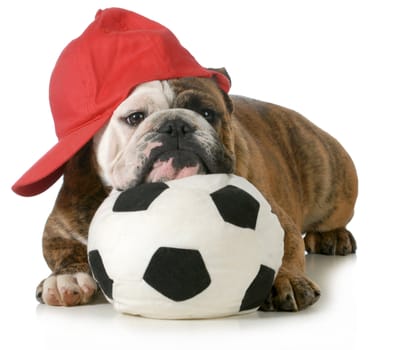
x: 292, y: 290
x: 66, y: 254
x: 66, y: 233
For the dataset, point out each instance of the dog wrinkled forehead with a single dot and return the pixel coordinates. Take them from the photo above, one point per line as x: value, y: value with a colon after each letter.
x: 147, y: 97
x: 156, y: 95
x: 196, y: 94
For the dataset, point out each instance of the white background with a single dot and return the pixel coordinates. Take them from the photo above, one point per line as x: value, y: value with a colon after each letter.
x: 349, y: 66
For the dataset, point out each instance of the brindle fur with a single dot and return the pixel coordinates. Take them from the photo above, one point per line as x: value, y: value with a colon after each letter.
x: 66, y: 229
x: 306, y: 175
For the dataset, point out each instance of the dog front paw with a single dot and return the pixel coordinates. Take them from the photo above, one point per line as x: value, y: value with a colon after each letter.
x: 66, y: 289
x: 292, y: 291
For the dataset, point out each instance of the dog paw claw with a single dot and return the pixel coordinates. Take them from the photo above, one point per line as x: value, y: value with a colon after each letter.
x: 337, y: 242
x: 291, y: 292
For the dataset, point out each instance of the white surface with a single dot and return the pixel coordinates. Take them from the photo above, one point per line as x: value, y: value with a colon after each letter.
x: 350, y: 68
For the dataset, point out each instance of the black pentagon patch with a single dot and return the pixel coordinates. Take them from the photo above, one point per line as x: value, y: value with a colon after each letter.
x: 100, y: 274
x: 259, y: 289
x: 236, y: 206
x: 139, y: 197
x: 178, y: 274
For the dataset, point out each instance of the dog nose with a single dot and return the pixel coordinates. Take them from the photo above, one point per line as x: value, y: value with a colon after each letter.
x: 175, y: 128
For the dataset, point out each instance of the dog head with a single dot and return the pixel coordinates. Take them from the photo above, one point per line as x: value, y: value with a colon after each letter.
x: 166, y: 130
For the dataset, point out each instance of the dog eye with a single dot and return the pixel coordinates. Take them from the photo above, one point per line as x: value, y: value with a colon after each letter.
x: 135, y: 118
x: 209, y: 115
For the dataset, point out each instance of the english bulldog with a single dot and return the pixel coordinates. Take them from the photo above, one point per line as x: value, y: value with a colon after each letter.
x: 175, y: 128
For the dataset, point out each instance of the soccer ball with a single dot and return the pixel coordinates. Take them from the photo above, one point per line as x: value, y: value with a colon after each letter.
x: 198, y: 247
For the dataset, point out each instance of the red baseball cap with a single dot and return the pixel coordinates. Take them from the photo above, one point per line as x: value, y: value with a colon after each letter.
x: 95, y: 73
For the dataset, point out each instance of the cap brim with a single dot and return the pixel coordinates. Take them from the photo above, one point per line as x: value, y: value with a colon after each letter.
x: 48, y: 169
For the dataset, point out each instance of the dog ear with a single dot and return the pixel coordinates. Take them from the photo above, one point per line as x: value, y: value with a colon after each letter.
x: 227, y: 99
x: 222, y: 71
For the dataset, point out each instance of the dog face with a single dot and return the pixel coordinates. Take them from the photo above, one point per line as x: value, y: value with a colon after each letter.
x: 166, y: 130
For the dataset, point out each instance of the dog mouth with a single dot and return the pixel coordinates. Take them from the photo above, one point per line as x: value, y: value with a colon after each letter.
x: 164, y: 161
x: 171, y: 165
